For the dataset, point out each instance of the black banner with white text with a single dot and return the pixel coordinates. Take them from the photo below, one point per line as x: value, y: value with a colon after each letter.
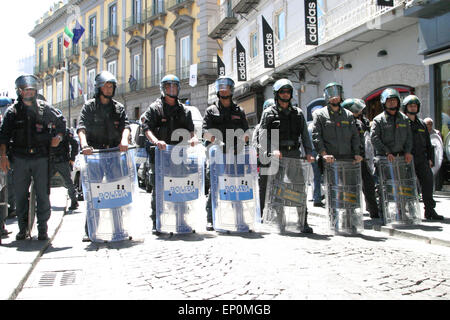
x: 311, y: 23
x: 241, y: 61
x: 268, y: 45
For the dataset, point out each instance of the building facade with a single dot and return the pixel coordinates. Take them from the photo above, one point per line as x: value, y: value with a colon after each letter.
x: 139, y: 41
x: 361, y: 45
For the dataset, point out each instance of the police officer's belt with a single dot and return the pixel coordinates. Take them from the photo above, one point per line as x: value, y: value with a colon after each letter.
x: 289, y: 145
x: 30, y: 151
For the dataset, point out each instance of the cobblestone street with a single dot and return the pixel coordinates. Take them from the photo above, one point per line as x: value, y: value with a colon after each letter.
x: 260, y: 265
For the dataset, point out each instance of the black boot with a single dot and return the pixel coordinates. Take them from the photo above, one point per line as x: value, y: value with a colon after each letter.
x: 430, y: 214
x: 73, y: 204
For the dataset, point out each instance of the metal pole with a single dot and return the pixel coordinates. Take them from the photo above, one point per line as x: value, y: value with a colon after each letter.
x: 68, y: 76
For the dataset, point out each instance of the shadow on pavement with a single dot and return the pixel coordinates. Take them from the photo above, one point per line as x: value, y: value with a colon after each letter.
x: 445, y: 221
x: 185, y: 236
x: 419, y: 227
x: 26, y: 245
x: 368, y: 238
x: 53, y: 249
x: 118, y: 245
x: 245, y: 235
x: 312, y: 236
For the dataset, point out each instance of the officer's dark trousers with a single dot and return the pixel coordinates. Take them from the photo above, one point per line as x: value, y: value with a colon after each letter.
x: 11, y: 195
x: 23, y: 170
x: 368, y: 188
x: 425, y: 177
x: 153, y: 184
x: 64, y: 170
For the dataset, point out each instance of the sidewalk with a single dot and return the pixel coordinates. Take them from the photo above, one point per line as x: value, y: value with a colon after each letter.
x: 431, y: 232
x: 18, y: 258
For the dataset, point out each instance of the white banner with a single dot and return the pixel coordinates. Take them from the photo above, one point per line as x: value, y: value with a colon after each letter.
x: 193, y: 75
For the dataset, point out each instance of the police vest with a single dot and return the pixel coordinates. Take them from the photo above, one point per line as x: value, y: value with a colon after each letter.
x: 223, y: 118
x: 105, y: 130
x: 32, y: 129
x: 289, y: 125
x: 168, y: 122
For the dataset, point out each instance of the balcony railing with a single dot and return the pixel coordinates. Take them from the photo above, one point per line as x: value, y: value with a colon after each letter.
x: 243, y: 6
x: 154, y: 12
x: 89, y: 43
x: 133, y: 22
x: 222, y: 22
x: 73, y: 52
x: 349, y: 15
x: 110, y: 34
x: 173, y: 5
x: 209, y: 68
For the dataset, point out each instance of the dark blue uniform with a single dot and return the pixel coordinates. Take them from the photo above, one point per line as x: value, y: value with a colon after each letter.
x: 28, y: 132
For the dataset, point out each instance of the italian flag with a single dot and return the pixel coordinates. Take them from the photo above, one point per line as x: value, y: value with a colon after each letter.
x: 68, y: 35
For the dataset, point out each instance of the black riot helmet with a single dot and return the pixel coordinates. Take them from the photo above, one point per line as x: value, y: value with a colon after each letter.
x: 101, y: 79
x: 410, y: 100
x: 26, y: 81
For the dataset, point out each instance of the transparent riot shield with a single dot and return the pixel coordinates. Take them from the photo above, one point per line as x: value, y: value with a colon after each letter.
x: 286, y: 194
x: 109, y: 182
x: 234, y: 190
x: 180, y: 185
x: 343, y: 196
x: 140, y: 156
x: 436, y: 142
x: 398, y: 191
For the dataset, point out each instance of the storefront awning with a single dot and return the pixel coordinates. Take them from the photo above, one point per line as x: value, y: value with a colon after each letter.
x: 378, y: 92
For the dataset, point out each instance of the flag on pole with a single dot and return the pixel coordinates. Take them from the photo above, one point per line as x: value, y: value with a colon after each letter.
x: 80, y: 88
x: 68, y: 35
x: 71, y: 92
x: 77, y: 32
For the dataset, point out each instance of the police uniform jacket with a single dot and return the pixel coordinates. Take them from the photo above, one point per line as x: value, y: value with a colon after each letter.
x: 391, y: 134
x: 222, y: 118
x: 335, y: 133
x: 422, y: 147
x: 162, y: 119
x: 292, y: 128
x: 104, y: 124
x: 28, y: 130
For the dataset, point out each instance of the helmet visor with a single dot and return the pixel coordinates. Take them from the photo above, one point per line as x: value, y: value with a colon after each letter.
x: 225, y: 85
x: 333, y: 92
x: 171, y: 89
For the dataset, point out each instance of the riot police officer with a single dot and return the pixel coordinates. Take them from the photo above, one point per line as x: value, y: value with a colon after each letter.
x: 160, y: 120
x: 356, y: 106
x: 390, y: 132
x: 28, y: 124
x: 291, y: 123
x: 103, y: 122
x: 222, y: 116
x: 423, y: 155
x: 61, y: 159
x: 334, y: 130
